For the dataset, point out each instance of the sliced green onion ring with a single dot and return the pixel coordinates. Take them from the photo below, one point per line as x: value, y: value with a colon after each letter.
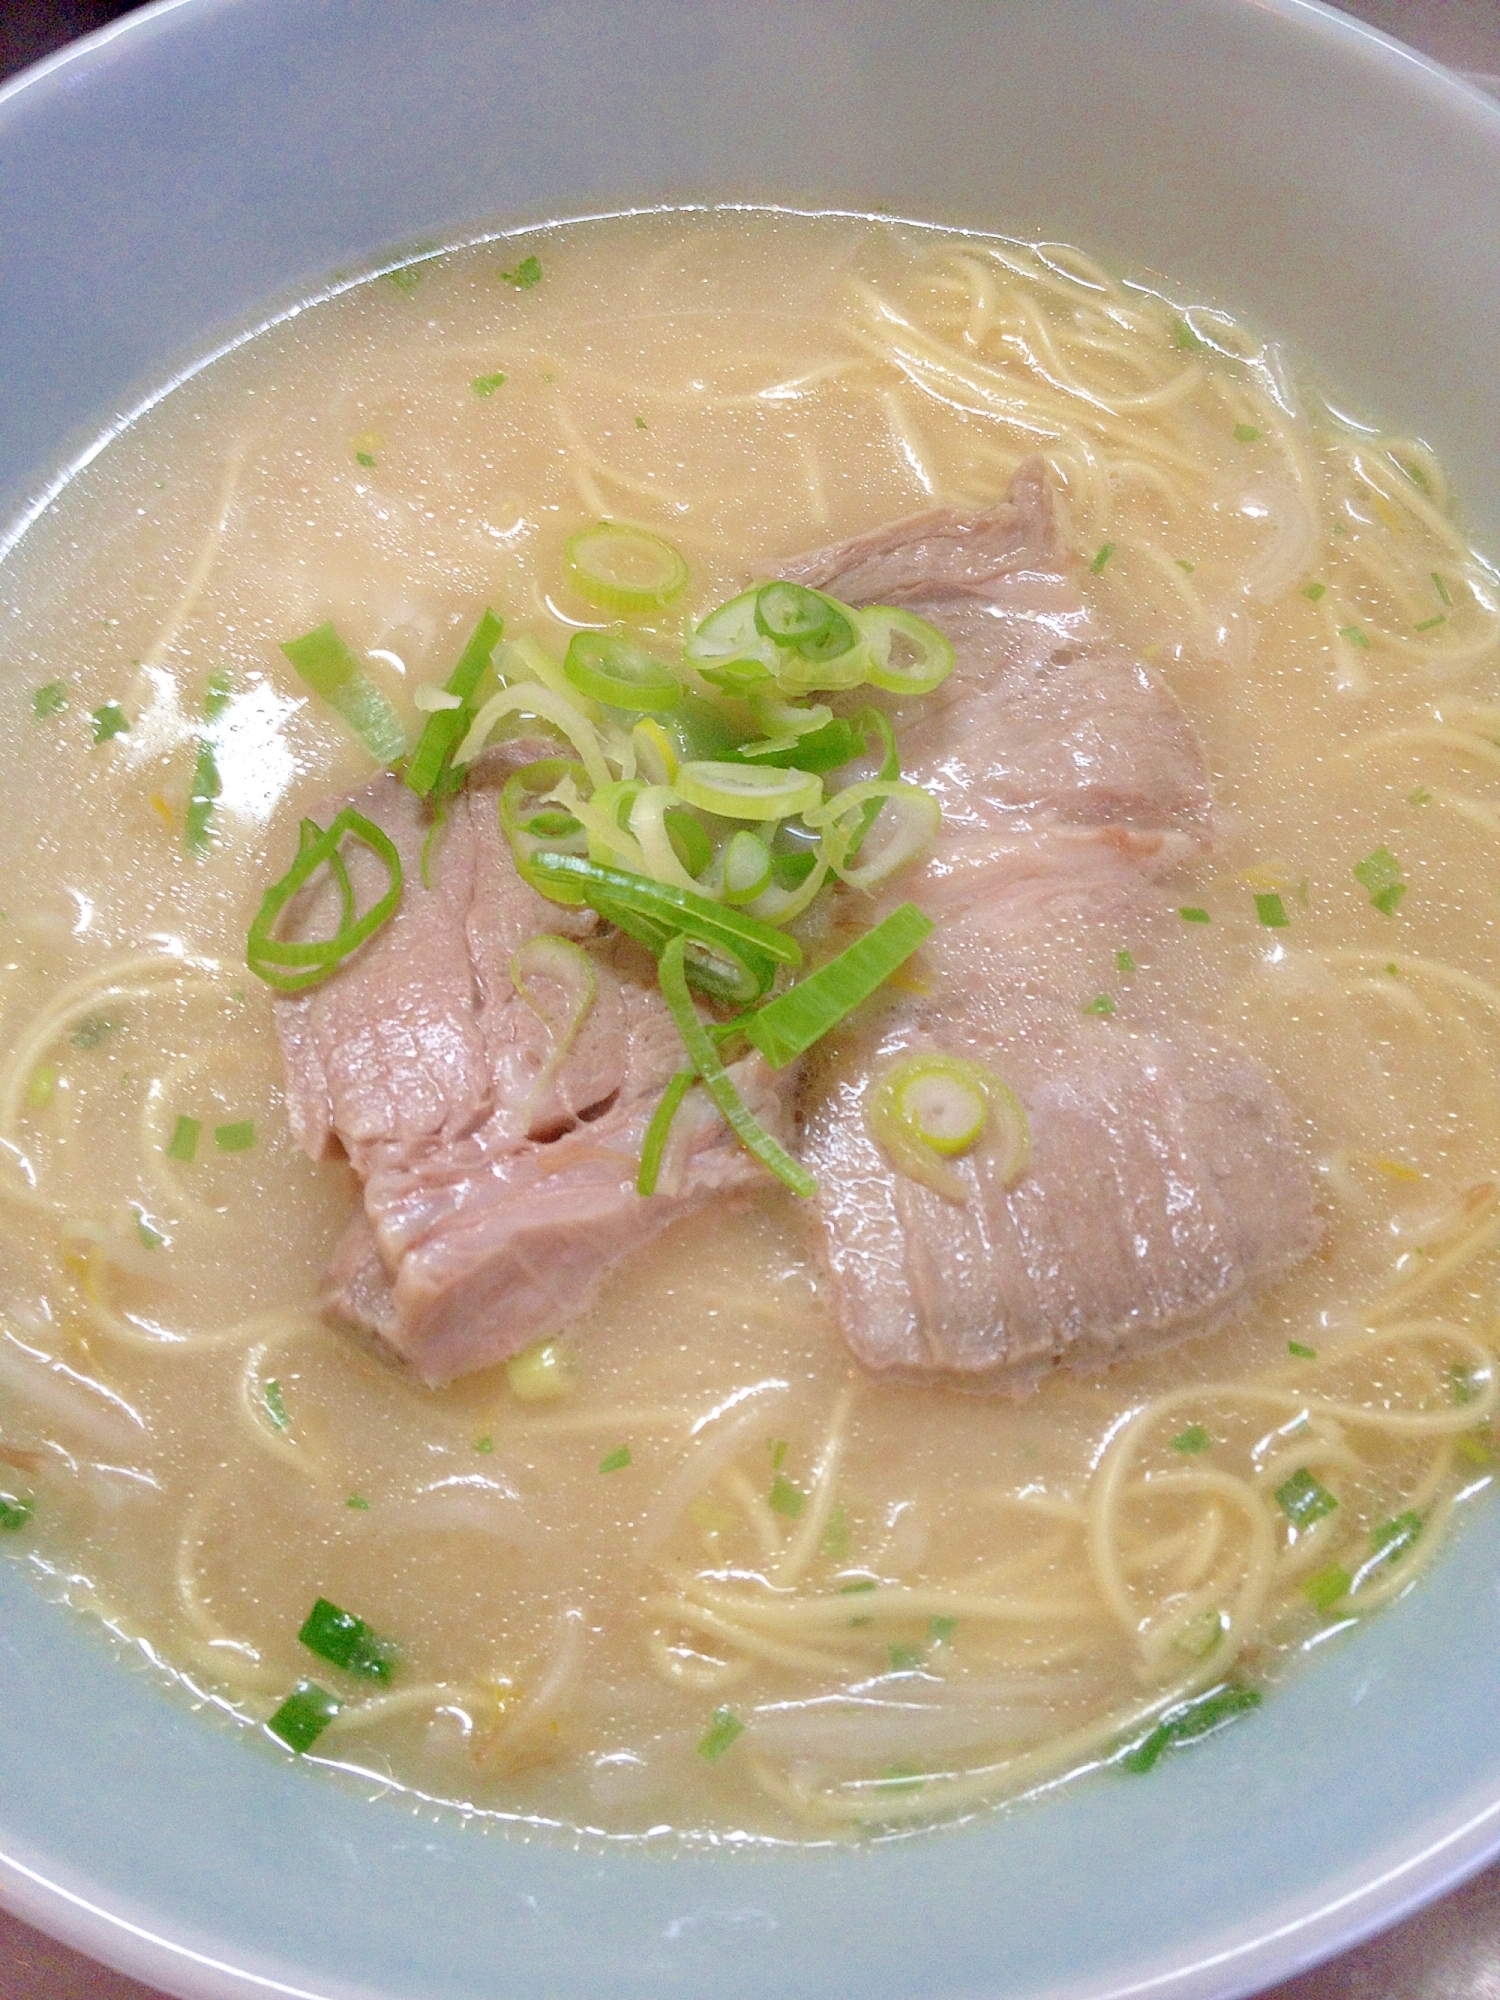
x: 531, y: 830
x: 933, y: 1106
x: 730, y: 636
x: 432, y: 761
x: 291, y: 966
x: 551, y: 707
x: 555, y: 978
x: 654, y: 1145
x: 734, y: 955
x: 906, y: 655
x: 648, y: 822
x: 749, y: 791
x: 917, y: 818
x: 334, y: 672
x: 746, y: 867
x: 620, y: 568
x: 615, y: 670
x: 787, y: 1026
x: 793, y: 615
x: 524, y: 660
x: 656, y: 755
x: 603, y: 818
x: 699, y: 1043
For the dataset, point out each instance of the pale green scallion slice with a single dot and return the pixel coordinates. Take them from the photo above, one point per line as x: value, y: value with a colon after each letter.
x: 620, y: 568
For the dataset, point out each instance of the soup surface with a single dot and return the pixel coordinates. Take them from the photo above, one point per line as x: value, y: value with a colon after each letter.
x: 704, y: 1577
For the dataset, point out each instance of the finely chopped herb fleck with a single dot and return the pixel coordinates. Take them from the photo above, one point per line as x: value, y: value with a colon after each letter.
x: 49, y: 700
x: 16, y: 1509
x: 1102, y: 558
x: 235, y: 1138
x: 348, y: 1642
x: 526, y: 274
x: 109, y: 721
x: 1100, y: 1004
x: 1272, y: 912
x: 1192, y: 1720
x: 616, y: 1460
x: 183, y: 1144
x: 1380, y: 873
x: 486, y: 385
x: 1191, y: 914
x: 1302, y: 1352
x: 1304, y: 1499
x: 1194, y: 1439
x: 275, y: 1404
x: 1248, y: 433
x: 303, y: 1716
x: 721, y: 1732
x: 785, y: 1498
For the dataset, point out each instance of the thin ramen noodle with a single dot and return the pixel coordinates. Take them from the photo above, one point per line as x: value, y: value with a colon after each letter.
x: 688, y: 1571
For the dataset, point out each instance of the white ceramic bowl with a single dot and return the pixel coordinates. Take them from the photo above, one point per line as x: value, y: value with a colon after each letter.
x: 168, y: 181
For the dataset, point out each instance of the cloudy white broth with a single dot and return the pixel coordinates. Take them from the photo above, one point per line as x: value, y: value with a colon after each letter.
x: 685, y: 1566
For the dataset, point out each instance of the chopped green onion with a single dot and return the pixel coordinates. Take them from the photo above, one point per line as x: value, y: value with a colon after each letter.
x: 747, y: 867
x: 1194, y: 1439
x: 1354, y: 635
x: 49, y: 700
x: 1248, y: 434
x: 1184, y: 336
x: 43, y: 1083
x: 671, y: 971
x: 1272, y: 912
x: 16, y: 1509
x: 1124, y: 961
x: 484, y: 1446
x: 431, y: 763
x: 655, y: 1143
x: 721, y: 1732
x: 236, y: 1138
x: 640, y: 423
x: 1380, y: 873
x: 778, y: 1447
x: 904, y: 1660
x: 303, y: 1716
x: 749, y: 791
x: 275, y: 1404
x: 202, y: 793
x: 539, y: 1373
x: 366, y: 459
x: 1102, y: 558
x: 790, y: 613
x: 941, y: 1630
x: 1302, y: 1352
x: 616, y: 1460
x: 332, y: 672
x: 1192, y: 915
x: 152, y: 1238
x: 1313, y: 591
x: 906, y: 654
x: 1327, y: 1587
x: 1392, y: 1539
x: 1464, y: 1381
x: 405, y: 279
x: 933, y: 1106
x: 526, y: 274
x: 785, y: 1498
x: 486, y: 385
x: 348, y: 1642
x: 109, y: 721
x: 290, y: 966
x: 183, y: 1143
x: 1427, y: 624
x: 90, y: 1033
x: 614, y: 670
x: 1101, y: 1003
x: 1187, y: 568
x: 859, y: 1586
x: 735, y: 955
x: 625, y: 569
x: 1189, y: 1721
x: 1474, y: 1447
x: 787, y: 1026
x: 1442, y: 589
x: 358, y: 1503
x: 1304, y: 1499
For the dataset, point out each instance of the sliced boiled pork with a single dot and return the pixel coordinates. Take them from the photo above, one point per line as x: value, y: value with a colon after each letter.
x: 1166, y: 1181
x: 493, y: 1105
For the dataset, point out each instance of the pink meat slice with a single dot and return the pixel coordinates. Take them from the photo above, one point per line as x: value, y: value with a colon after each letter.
x: 1168, y: 1180
x: 498, y: 1153
x: 1044, y: 721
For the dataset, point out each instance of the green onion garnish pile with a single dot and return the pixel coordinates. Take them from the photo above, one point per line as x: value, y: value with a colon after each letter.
x: 693, y: 803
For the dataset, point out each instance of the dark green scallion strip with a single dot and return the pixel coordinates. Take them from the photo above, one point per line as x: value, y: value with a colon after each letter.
x: 290, y: 966
x: 788, y: 1025
x: 654, y: 912
x: 303, y: 1716
x: 696, y: 1039
x: 431, y: 763
x: 656, y: 1132
x: 348, y: 1642
x: 1192, y: 1720
x: 332, y: 671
